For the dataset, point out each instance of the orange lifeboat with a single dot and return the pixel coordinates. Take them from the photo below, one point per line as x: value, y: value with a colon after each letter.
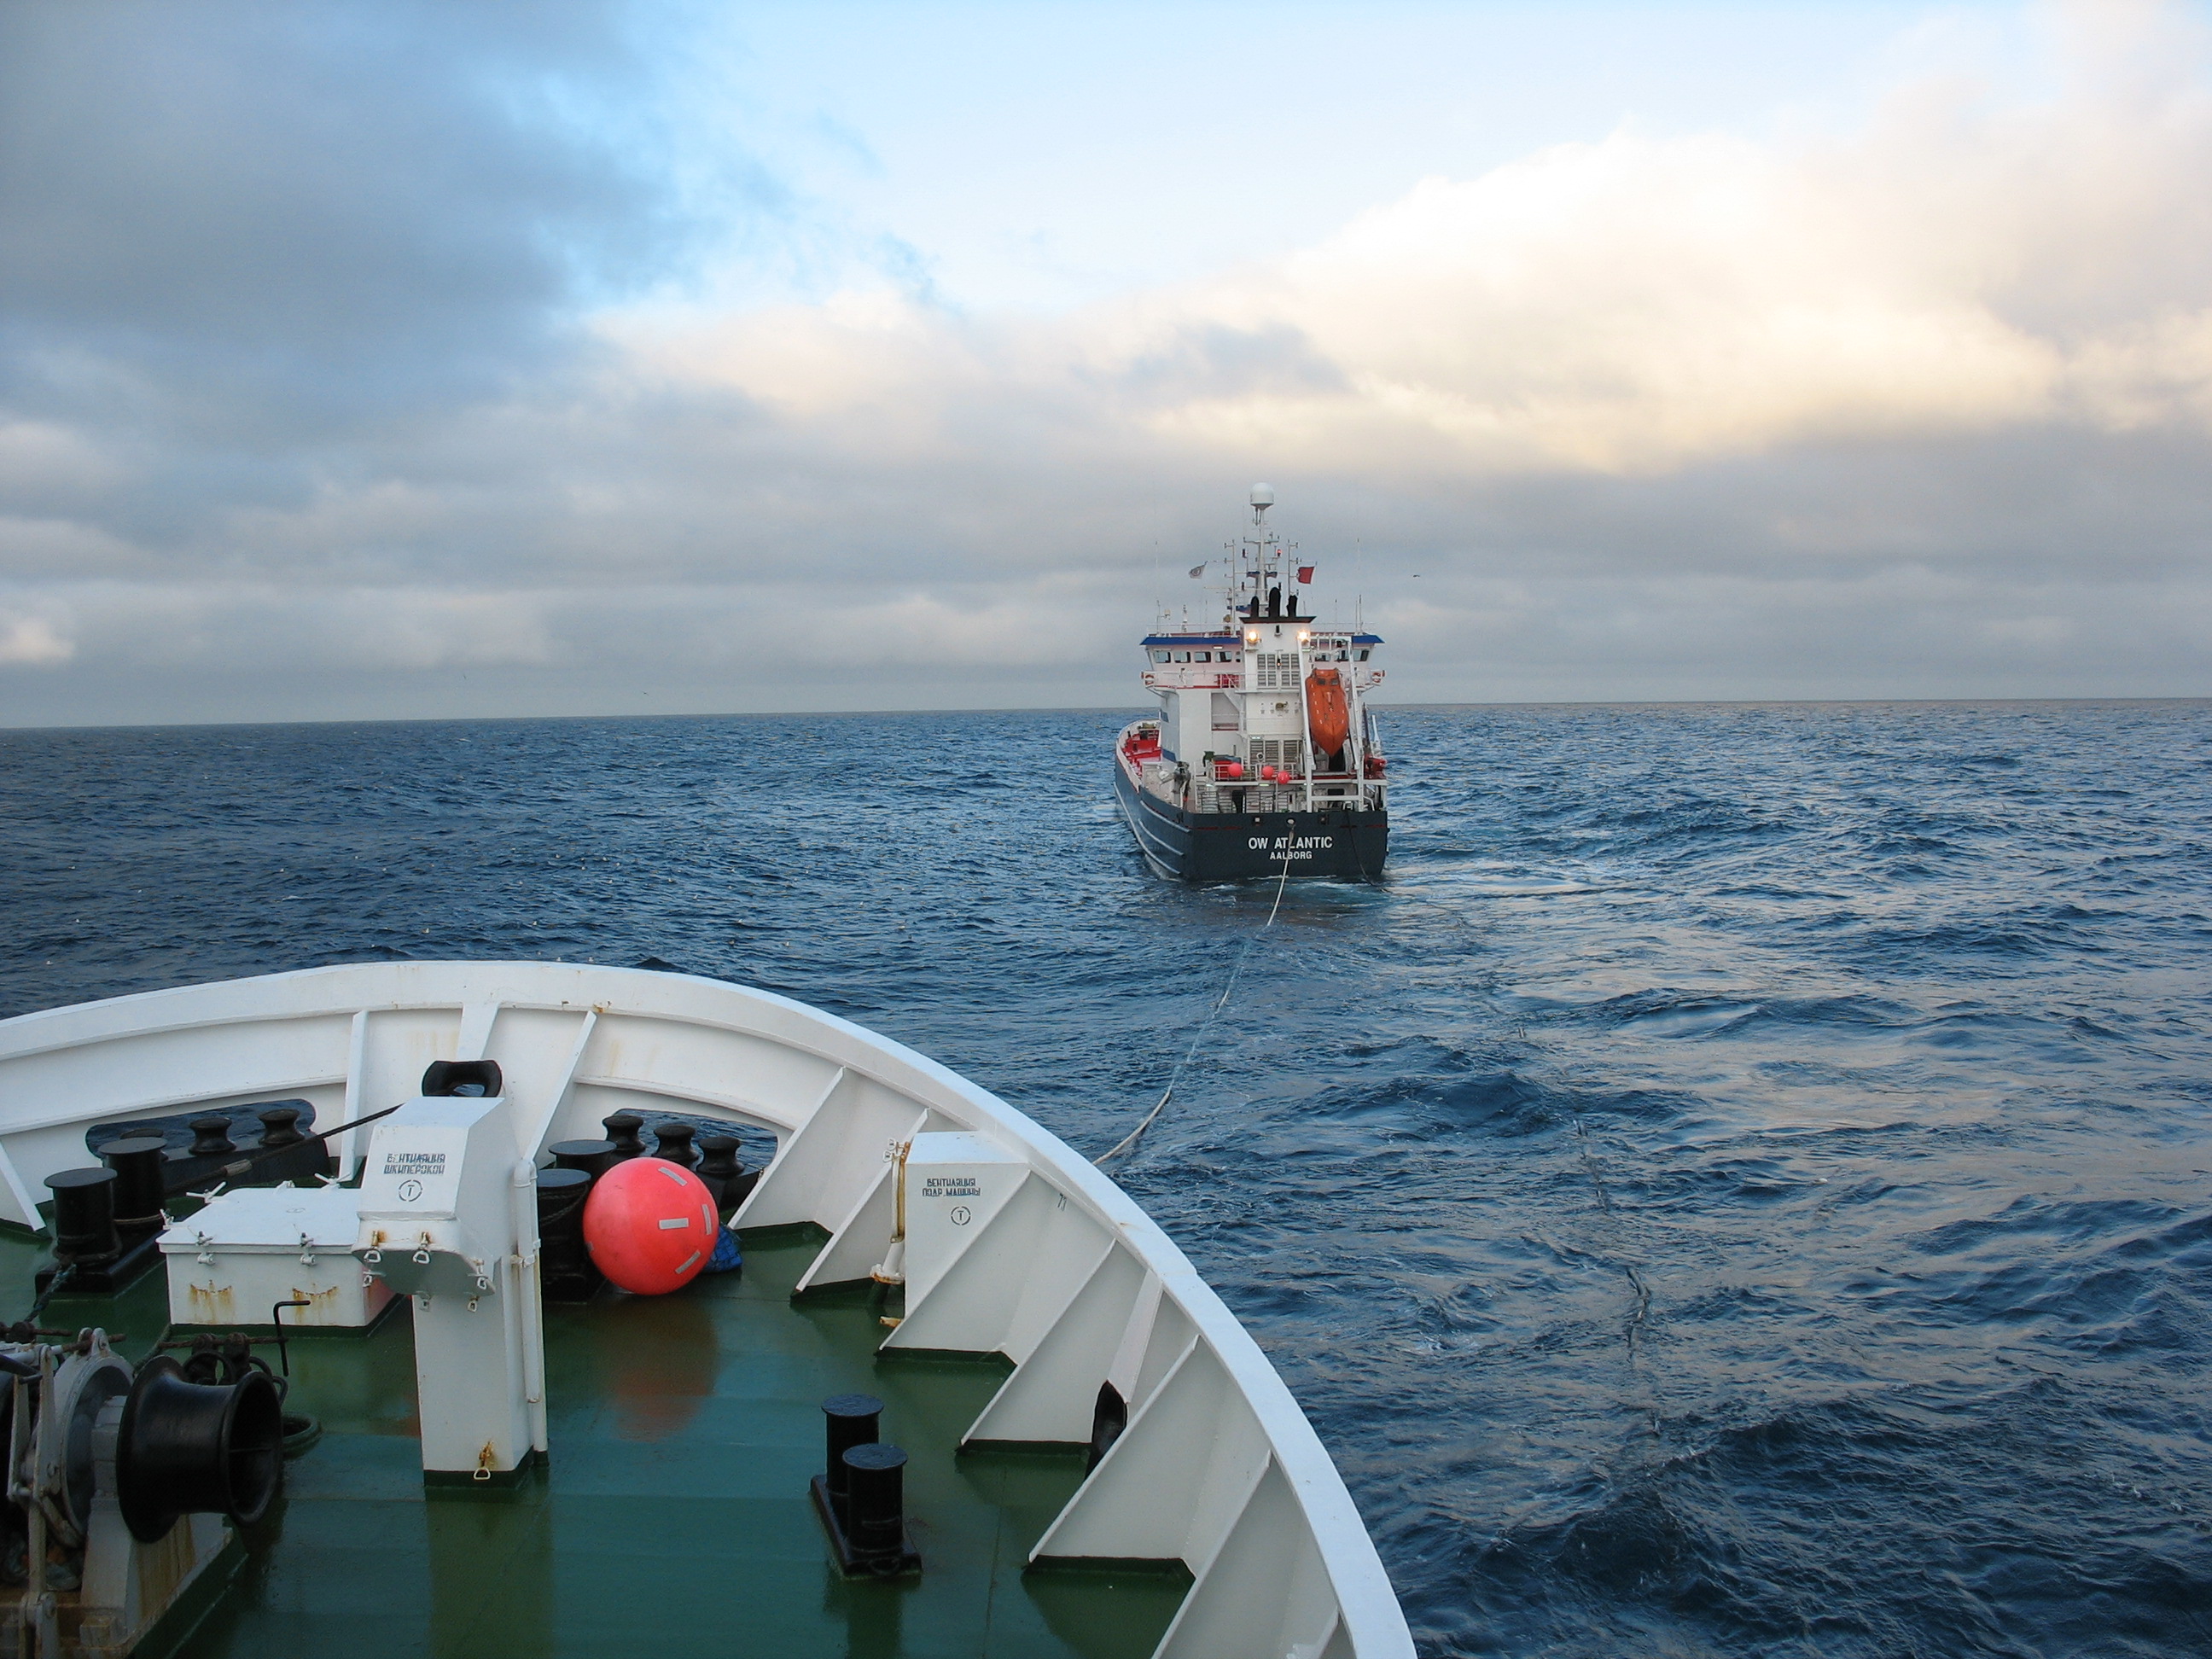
x: 1328, y: 718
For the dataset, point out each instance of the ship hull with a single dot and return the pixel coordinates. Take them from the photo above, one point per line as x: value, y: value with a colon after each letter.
x: 1343, y: 842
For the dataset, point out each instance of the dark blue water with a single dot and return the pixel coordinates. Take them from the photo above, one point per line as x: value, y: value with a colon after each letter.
x: 1743, y: 1186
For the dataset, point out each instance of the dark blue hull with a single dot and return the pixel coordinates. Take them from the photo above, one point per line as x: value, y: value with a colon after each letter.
x: 1341, y: 842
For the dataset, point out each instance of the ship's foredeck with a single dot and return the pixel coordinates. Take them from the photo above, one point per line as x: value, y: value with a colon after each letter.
x: 673, y: 1516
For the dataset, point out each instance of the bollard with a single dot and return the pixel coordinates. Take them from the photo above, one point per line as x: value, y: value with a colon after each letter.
x: 594, y: 1157
x: 875, y: 1505
x: 137, y: 1161
x: 211, y: 1137
x: 850, y: 1420
x: 674, y: 1143
x: 84, y: 1216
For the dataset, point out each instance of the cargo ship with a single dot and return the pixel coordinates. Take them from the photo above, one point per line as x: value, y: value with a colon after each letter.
x: 1263, y: 760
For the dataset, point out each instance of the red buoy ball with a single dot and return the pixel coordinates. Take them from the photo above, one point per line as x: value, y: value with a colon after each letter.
x: 650, y: 1225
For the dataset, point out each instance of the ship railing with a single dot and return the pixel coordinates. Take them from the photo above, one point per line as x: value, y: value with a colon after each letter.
x: 1226, y: 796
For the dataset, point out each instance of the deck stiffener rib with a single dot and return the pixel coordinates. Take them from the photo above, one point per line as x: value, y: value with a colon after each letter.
x: 1052, y: 1394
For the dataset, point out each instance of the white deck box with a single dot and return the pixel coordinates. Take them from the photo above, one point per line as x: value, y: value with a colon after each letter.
x: 955, y: 1184
x: 231, y: 1262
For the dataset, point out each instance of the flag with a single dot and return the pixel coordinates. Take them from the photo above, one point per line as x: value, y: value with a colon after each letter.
x: 1305, y: 573
x: 1198, y: 570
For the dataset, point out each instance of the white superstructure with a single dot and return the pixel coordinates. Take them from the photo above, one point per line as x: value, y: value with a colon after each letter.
x: 1267, y: 712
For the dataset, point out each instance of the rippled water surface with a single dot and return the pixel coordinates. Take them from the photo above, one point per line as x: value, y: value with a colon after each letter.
x: 1742, y: 1185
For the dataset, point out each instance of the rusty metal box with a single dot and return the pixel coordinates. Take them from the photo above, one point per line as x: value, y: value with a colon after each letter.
x: 230, y: 1263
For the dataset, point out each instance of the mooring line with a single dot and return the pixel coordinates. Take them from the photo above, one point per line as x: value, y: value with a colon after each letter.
x: 1634, y: 1326
x: 1213, y: 1016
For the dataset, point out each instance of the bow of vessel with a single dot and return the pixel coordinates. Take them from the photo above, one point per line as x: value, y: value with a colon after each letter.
x: 1057, y: 1440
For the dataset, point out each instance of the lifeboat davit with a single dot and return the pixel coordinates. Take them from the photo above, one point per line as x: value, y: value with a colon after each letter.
x: 1328, y: 717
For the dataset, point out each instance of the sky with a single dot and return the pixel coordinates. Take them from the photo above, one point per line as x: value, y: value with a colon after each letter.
x: 406, y: 359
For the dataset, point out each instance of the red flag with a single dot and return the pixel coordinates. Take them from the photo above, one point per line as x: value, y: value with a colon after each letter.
x: 1305, y: 573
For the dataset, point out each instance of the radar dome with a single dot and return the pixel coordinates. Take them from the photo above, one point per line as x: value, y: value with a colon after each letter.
x: 1262, y: 496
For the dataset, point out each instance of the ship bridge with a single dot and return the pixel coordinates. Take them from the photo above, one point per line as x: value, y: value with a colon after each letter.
x: 1242, y: 694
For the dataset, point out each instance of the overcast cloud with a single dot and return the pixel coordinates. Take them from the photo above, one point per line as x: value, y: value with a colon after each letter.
x: 376, y: 360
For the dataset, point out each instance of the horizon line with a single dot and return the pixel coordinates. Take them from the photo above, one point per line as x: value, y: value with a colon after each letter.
x: 1080, y: 709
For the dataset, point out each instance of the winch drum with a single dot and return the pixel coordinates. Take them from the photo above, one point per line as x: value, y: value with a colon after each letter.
x: 194, y: 1447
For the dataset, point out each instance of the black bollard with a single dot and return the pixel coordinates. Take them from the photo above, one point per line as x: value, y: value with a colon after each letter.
x: 594, y: 1157
x: 286, y: 1153
x: 566, y: 1272
x: 280, y: 1127
x: 84, y: 1216
x: 622, y: 1129
x: 875, y: 1506
x: 211, y: 1137
x: 137, y: 1161
x: 719, y: 1168
x: 852, y: 1420
x: 674, y: 1142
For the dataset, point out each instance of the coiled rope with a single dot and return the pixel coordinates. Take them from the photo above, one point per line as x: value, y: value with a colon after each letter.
x: 1213, y: 1015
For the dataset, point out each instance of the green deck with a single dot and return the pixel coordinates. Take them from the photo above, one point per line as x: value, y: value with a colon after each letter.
x: 673, y: 1517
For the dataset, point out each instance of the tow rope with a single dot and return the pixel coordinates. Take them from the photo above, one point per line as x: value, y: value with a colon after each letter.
x: 1212, y: 1017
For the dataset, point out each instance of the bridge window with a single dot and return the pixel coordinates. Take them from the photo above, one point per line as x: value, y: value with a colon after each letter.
x: 1360, y: 655
x: 1160, y: 656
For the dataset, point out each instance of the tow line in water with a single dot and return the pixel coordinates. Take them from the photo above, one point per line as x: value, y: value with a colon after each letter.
x: 1213, y: 1015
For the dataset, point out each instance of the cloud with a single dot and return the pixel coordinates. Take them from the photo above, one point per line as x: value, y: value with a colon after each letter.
x: 233, y: 221
x: 373, y: 365
x: 32, y: 641
x: 1631, y: 304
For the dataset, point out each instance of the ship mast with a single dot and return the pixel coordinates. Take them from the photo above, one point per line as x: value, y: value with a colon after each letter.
x: 1260, y: 543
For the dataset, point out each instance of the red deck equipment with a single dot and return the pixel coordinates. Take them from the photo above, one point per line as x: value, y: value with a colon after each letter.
x: 650, y: 1225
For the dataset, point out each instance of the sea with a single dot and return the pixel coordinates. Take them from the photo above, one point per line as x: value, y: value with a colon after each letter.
x: 1741, y: 1184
